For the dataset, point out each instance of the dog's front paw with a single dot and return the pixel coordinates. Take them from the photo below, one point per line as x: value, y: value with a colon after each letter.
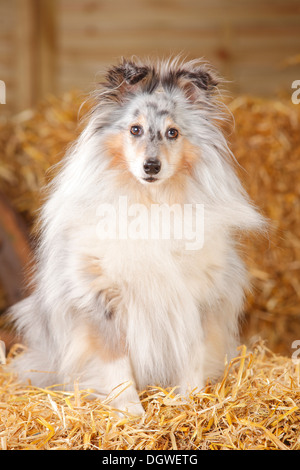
x: 134, y: 409
x: 122, y: 408
x: 127, y: 401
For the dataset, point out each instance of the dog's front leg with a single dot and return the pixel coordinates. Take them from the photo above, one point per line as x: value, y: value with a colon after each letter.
x: 98, y: 365
x: 100, y: 343
x: 192, y: 379
x: 118, y: 383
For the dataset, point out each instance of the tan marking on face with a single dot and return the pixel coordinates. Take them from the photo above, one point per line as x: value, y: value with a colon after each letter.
x: 133, y: 189
x: 167, y: 155
x: 140, y: 121
x: 124, y: 178
x: 136, y: 141
x: 140, y: 149
x: 181, y: 155
x: 189, y: 157
x: 170, y: 123
x: 114, y: 146
x: 176, y: 186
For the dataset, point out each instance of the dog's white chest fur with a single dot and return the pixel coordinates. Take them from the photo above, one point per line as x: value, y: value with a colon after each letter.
x: 163, y: 287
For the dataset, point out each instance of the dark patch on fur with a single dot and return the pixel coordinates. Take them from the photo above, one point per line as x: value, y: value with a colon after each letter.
x: 152, y: 134
x: 128, y: 72
x: 100, y: 128
x: 199, y: 77
x: 153, y: 106
x: 152, y: 82
x: 108, y: 314
x: 162, y: 112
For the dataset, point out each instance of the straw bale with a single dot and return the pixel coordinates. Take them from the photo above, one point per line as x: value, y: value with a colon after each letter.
x: 256, y: 405
x: 266, y: 143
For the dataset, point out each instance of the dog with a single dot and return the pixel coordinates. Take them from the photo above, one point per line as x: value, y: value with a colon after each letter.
x: 117, y: 314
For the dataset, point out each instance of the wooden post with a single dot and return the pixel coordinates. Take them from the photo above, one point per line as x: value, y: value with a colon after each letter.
x: 45, y: 11
x: 36, y: 50
x: 25, y: 54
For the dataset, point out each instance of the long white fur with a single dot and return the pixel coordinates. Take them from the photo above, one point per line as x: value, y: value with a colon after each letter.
x: 178, y: 310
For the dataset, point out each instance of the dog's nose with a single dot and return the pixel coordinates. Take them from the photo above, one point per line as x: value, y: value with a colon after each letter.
x: 152, y: 166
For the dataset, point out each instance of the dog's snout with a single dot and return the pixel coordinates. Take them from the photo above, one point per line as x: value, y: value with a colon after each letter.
x: 152, y: 166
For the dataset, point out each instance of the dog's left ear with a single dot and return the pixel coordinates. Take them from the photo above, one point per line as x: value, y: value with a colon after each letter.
x: 197, y: 81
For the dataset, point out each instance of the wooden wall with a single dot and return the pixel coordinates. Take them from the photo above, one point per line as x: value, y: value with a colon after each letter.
x: 57, y: 45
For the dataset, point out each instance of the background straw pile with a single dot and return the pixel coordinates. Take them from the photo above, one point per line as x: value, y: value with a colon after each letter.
x: 266, y: 143
x: 256, y: 404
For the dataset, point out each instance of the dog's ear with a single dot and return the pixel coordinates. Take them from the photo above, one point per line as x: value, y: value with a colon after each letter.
x: 196, y: 82
x: 125, y: 78
x: 126, y: 74
x: 129, y: 77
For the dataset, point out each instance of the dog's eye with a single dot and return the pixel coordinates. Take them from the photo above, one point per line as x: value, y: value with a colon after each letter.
x: 172, y: 133
x: 136, y: 130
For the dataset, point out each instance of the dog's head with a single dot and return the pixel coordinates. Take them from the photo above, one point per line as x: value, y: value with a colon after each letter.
x: 155, y: 116
x: 156, y: 135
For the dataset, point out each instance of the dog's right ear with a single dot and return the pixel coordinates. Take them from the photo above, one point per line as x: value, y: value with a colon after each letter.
x: 125, y: 78
x: 127, y: 73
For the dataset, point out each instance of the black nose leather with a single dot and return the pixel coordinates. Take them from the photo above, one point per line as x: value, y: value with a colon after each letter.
x: 152, y: 166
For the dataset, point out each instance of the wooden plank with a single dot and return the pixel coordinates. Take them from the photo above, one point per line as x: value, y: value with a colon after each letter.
x: 7, y: 28
x: 46, y: 47
x: 36, y: 50
x: 118, y: 13
x: 25, y: 53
